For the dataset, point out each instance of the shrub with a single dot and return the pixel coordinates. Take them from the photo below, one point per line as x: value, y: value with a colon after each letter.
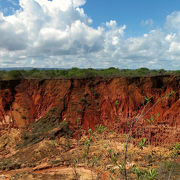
x: 48, y: 126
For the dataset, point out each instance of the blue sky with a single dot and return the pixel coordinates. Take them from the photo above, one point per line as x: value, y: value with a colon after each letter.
x: 91, y: 33
x: 131, y: 12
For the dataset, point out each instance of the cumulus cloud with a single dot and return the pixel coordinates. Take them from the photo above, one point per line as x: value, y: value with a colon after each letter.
x: 58, y: 33
x: 173, y: 21
x: 13, y: 33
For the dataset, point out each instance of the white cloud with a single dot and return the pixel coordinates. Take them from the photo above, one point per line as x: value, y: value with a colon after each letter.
x: 170, y: 37
x: 175, y: 48
x: 13, y: 36
x: 32, y: 62
x: 148, y: 22
x: 173, y: 21
x: 111, y: 24
x: 58, y: 33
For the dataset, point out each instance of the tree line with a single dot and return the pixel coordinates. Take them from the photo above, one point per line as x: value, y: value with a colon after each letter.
x: 83, y: 73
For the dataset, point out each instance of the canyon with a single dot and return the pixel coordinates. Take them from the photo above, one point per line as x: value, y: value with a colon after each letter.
x: 112, y: 102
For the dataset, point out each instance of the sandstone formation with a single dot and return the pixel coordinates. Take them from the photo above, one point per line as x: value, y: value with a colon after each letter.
x: 111, y: 102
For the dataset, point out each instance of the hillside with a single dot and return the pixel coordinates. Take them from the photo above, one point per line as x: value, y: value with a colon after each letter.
x: 110, y: 102
x: 46, y: 125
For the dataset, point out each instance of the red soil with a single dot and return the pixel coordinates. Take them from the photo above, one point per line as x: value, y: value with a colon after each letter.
x: 110, y: 102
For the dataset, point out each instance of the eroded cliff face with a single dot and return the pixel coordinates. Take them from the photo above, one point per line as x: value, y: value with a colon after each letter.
x: 111, y: 102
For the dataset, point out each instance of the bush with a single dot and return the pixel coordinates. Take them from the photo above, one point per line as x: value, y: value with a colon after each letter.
x: 15, y: 74
x: 83, y: 73
x: 46, y: 127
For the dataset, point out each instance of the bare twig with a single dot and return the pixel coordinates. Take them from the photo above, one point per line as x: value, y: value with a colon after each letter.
x: 135, y: 120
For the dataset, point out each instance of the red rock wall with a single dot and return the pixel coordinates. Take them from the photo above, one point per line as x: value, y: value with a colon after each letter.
x: 111, y: 102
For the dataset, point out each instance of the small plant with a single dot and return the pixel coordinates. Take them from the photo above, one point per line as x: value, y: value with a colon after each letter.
x: 106, y: 145
x: 116, y: 102
x: 144, y: 174
x: 151, y: 120
x: 79, y: 111
x: 95, y: 160
x: 152, y: 174
x: 112, y: 171
x: 157, y: 115
x: 121, y: 168
x: 78, y: 128
x: 167, y: 165
x: 75, y: 162
x: 101, y: 128
x: 23, y: 116
x: 113, y: 156
x: 174, y: 155
x: 60, y: 99
x: 175, y: 151
x: 170, y: 94
x: 64, y: 123
x: 142, y: 143
x: 139, y: 173
x: 87, y: 145
x: 53, y: 143
x: 147, y: 99
x: 145, y: 110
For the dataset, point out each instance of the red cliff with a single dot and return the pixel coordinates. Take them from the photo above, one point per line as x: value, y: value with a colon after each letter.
x: 111, y: 102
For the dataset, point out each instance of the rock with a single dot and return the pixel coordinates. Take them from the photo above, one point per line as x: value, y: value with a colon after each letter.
x: 3, y: 177
x: 42, y: 167
x: 96, y: 101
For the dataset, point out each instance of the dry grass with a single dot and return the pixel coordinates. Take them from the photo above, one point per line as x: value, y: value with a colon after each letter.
x: 103, y: 160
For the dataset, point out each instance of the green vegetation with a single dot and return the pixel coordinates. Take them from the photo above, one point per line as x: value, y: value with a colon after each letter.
x: 82, y: 73
x: 8, y: 165
x: 98, y: 148
x: 48, y: 126
x: 144, y: 174
x: 101, y: 128
x: 87, y: 144
x: 142, y: 143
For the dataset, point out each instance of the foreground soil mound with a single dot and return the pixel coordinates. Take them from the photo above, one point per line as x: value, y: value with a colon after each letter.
x: 111, y: 102
x: 96, y: 155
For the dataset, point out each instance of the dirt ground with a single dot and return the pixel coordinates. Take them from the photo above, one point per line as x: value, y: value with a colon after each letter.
x: 96, y: 155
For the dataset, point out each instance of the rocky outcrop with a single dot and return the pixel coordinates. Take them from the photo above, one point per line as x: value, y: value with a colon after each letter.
x: 111, y: 102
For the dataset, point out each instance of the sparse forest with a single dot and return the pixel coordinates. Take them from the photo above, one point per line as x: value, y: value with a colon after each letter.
x: 82, y: 73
